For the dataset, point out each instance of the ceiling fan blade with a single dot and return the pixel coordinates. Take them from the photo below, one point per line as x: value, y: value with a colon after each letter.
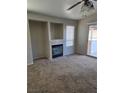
x: 74, y: 5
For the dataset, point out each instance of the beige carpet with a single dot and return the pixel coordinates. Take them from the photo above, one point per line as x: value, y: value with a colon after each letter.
x: 70, y: 74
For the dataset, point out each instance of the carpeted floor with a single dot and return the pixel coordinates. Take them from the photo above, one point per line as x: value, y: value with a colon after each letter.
x: 69, y: 74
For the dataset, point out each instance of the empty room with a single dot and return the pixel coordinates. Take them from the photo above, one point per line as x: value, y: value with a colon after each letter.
x: 61, y: 46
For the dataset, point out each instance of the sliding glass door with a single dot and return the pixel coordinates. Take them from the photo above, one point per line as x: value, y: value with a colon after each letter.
x: 92, y: 41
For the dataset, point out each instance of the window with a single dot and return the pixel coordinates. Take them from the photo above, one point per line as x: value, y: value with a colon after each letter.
x: 69, y: 36
x: 92, y: 41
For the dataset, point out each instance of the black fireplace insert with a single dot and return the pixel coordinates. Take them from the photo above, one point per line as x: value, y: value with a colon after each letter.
x: 57, y: 50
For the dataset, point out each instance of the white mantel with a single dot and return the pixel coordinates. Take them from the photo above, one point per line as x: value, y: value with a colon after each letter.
x: 57, y: 41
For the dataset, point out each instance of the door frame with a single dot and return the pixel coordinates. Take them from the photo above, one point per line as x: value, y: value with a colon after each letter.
x: 89, y: 24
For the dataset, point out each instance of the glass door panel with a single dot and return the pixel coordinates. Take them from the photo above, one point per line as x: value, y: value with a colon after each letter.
x: 92, y: 41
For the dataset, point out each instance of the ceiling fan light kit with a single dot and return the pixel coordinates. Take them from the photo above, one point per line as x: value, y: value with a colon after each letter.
x: 87, y: 5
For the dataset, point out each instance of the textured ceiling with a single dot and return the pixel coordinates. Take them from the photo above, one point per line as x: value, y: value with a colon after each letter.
x: 57, y: 8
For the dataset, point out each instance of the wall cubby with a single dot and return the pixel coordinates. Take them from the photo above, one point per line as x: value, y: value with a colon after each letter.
x: 56, y: 30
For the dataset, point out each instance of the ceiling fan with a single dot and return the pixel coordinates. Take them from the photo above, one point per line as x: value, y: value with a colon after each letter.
x: 86, y: 3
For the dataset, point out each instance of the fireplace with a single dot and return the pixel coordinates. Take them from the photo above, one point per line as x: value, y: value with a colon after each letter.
x: 57, y: 50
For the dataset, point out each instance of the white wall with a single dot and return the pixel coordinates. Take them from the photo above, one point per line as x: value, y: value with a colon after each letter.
x: 81, y: 31
x: 82, y: 34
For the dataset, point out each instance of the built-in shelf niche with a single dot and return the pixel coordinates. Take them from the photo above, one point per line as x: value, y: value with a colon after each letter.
x: 56, y: 30
x: 39, y: 39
